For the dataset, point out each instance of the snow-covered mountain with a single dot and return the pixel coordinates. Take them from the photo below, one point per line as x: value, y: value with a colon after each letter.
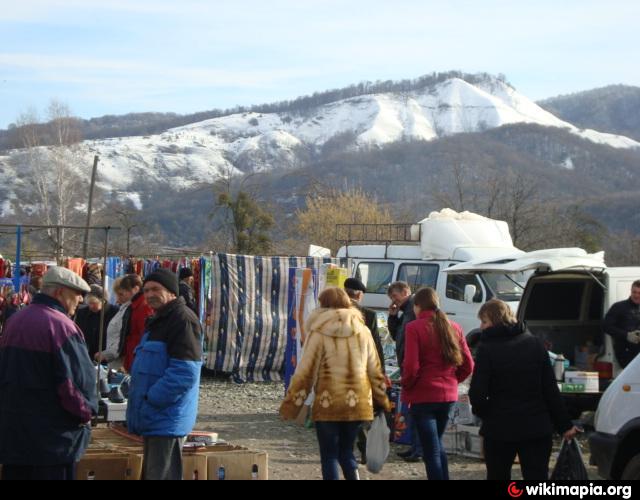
x: 199, y: 152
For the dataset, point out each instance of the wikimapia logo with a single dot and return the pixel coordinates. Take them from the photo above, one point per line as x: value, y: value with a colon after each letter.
x: 581, y: 491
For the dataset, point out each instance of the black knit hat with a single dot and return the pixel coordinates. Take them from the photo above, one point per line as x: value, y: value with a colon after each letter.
x: 166, y: 278
x: 185, y: 272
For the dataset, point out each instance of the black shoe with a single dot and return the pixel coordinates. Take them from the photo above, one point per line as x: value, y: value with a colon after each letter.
x: 104, y: 388
x: 115, y: 396
x: 413, y: 458
x: 363, y: 459
x: 405, y: 454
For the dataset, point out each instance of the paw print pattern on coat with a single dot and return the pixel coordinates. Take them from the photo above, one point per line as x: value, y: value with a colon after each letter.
x: 352, y: 399
x: 325, y: 399
x: 300, y: 397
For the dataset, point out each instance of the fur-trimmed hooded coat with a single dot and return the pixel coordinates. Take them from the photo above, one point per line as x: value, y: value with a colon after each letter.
x: 341, y: 363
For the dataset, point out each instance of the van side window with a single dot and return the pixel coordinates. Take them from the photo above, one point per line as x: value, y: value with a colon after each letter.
x: 376, y: 276
x: 456, y: 284
x: 418, y: 275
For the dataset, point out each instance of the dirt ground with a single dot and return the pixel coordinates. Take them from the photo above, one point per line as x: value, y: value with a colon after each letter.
x: 247, y: 415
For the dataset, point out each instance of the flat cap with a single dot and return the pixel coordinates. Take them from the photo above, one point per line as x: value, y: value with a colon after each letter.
x: 61, y: 276
x: 355, y: 284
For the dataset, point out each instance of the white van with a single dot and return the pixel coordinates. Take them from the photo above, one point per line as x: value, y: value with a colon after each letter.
x: 564, y: 303
x: 441, y: 240
x: 615, y: 444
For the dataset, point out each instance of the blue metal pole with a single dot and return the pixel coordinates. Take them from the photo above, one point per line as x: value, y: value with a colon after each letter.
x: 16, y: 274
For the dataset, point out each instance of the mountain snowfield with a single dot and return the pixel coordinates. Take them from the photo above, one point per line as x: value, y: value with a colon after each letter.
x: 200, y: 152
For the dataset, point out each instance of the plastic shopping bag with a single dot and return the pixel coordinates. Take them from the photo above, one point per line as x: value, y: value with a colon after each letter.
x: 570, y: 465
x: 377, y: 444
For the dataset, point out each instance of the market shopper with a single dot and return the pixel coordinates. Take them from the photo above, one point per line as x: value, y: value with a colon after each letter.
x: 341, y: 364
x: 163, y: 397
x: 401, y: 313
x: 436, y: 360
x: 355, y: 290
x: 186, y: 288
x: 622, y: 322
x: 88, y: 319
x: 47, y: 384
x: 514, y: 391
x: 133, y: 320
x: 125, y: 288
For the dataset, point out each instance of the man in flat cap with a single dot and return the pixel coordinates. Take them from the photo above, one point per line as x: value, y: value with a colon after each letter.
x: 165, y: 377
x: 47, y: 384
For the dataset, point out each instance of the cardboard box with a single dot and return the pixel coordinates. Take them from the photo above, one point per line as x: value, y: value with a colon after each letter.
x: 104, y: 466
x: 590, y: 380
x: 194, y: 467
x: 238, y: 465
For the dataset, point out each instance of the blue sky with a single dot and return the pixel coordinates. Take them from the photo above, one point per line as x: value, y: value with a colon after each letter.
x: 119, y: 56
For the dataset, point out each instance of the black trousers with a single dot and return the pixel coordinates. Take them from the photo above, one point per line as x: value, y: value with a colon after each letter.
x: 66, y: 472
x: 534, y: 458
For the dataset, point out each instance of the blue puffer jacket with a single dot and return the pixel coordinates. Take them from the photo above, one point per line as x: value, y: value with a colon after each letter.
x: 165, y: 377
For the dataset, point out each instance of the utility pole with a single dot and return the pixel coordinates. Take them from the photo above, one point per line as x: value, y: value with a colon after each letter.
x: 85, y: 246
x: 129, y: 228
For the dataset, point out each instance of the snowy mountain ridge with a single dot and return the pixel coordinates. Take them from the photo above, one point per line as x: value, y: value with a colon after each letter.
x: 200, y: 152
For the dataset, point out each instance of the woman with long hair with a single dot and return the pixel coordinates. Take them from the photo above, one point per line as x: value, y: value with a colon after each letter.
x: 341, y: 363
x: 514, y: 392
x: 436, y: 360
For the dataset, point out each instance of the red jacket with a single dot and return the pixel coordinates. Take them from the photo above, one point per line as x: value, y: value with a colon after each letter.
x: 426, y: 378
x: 140, y: 311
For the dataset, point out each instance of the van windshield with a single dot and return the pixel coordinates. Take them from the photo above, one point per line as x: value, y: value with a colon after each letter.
x: 506, y: 286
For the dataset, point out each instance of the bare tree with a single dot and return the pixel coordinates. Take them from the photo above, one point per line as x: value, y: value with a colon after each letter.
x: 55, y: 168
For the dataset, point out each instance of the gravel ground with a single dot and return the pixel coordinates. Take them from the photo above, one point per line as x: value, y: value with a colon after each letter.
x: 247, y: 415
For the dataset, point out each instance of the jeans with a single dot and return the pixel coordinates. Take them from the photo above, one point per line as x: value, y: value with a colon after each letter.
x: 416, y: 443
x: 336, y: 440
x: 431, y: 420
x: 534, y: 458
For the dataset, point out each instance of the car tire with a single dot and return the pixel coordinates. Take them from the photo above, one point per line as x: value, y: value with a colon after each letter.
x: 632, y: 469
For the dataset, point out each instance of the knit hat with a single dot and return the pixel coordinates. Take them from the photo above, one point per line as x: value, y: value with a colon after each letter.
x: 166, y: 278
x: 185, y: 272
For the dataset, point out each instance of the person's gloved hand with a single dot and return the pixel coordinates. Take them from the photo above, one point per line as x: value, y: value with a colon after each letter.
x: 633, y: 337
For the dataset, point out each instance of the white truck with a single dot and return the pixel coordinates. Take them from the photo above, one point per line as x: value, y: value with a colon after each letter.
x: 564, y: 303
x: 420, y: 253
x: 615, y: 444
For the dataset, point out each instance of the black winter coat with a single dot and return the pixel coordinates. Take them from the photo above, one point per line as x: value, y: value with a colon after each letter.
x: 186, y: 292
x: 513, y: 388
x: 622, y: 318
x: 89, y: 323
x: 371, y: 320
x: 397, y: 324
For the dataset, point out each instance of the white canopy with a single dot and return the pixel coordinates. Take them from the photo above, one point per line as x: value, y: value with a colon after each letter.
x: 464, y: 236
x: 552, y: 259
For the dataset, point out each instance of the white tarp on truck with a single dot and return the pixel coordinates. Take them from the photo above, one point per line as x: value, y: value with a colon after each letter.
x: 449, y: 235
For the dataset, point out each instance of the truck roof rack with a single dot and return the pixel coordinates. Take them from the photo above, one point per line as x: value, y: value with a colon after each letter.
x: 385, y: 234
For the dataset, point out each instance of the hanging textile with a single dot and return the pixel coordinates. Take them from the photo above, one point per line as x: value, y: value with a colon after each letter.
x: 75, y: 265
x: 38, y: 269
x: 250, y: 306
x: 115, y: 269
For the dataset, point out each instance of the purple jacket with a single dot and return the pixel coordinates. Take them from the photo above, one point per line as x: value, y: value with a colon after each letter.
x: 47, y: 387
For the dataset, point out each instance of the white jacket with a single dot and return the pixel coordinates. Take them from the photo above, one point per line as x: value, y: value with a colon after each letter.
x: 114, y: 329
